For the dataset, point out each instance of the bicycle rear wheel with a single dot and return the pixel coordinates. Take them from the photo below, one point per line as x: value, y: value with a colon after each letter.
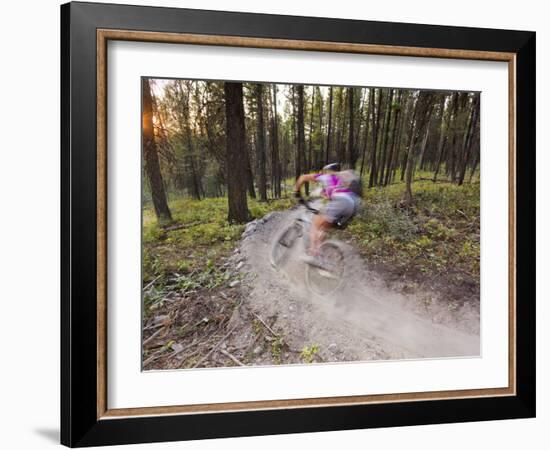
x: 327, y: 278
x: 283, y: 244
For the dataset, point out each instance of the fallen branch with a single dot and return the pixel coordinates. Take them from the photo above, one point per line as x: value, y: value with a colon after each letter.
x: 253, y: 343
x: 463, y: 214
x: 265, y: 324
x: 231, y: 357
x: 153, y: 327
x: 153, y: 336
x: 187, y: 347
x: 205, y: 357
x: 151, y: 283
x: 439, y: 180
x: 154, y: 356
x: 194, y: 343
x: 182, y: 225
x: 186, y: 358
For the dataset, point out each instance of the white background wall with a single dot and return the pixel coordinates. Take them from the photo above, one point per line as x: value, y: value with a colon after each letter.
x: 29, y: 233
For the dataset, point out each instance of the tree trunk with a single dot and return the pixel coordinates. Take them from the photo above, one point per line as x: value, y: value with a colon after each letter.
x: 451, y: 162
x: 329, y: 131
x: 196, y: 187
x: 275, y: 163
x: 443, y: 125
x: 375, y: 124
x: 301, y: 147
x: 357, y: 139
x: 152, y: 165
x: 420, y: 120
x: 309, y: 164
x: 236, y: 155
x: 474, y: 167
x: 341, y: 146
x: 249, y: 173
x: 389, y: 161
x: 384, y: 150
x: 319, y: 157
x: 468, y: 142
x: 260, y: 142
x: 403, y: 163
x: 423, y: 155
x: 424, y: 144
x: 352, y: 158
x: 191, y: 179
x: 195, y: 183
x: 297, y: 156
x: 366, y: 136
x: 409, y: 101
x: 407, y: 173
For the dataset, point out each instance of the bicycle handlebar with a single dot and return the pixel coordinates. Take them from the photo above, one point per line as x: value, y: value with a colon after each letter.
x: 306, y: 204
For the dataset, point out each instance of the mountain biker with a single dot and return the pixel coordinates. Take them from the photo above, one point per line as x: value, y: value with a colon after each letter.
x: 342, y: 190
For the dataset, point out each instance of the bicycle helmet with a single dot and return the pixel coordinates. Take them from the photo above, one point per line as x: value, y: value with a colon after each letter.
x: 335, y: 167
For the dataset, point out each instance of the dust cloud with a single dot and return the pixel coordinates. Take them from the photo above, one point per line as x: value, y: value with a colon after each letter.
x: 366, y: 319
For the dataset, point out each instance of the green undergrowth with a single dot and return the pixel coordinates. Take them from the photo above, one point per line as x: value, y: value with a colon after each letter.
x: 190, y: 249
x: 436, y: 237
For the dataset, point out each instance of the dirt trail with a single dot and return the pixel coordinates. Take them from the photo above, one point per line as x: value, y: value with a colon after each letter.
x: 366, y: 320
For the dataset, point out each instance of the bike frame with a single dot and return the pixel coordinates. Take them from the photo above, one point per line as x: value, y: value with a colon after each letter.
x: 305, y: 221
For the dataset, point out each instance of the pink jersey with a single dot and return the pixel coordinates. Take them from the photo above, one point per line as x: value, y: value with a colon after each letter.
x: 331, y: 184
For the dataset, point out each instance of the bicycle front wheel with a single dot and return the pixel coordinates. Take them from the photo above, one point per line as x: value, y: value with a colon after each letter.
x: 327, y: 277
x: 283, y: 243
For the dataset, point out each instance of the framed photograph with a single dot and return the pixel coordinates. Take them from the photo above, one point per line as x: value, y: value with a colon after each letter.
x: 277, y: 224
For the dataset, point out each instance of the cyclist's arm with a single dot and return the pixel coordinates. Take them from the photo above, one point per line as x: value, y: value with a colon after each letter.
x: 304, y: 179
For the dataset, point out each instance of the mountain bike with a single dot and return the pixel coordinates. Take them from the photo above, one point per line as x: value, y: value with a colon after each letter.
x: 325, y: 274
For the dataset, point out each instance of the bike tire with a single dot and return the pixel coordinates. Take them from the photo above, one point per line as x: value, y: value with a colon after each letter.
x: 326, y: 281
x: 283, y: 243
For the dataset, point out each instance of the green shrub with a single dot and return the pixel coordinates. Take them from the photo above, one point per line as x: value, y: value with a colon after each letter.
x: 383, y: 219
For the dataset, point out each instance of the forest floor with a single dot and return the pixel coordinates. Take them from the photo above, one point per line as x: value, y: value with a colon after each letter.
x: 211, y: 298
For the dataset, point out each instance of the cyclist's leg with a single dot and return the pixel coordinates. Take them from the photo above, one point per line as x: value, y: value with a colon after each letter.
x: 339, y: 208
x: 319, y: 225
